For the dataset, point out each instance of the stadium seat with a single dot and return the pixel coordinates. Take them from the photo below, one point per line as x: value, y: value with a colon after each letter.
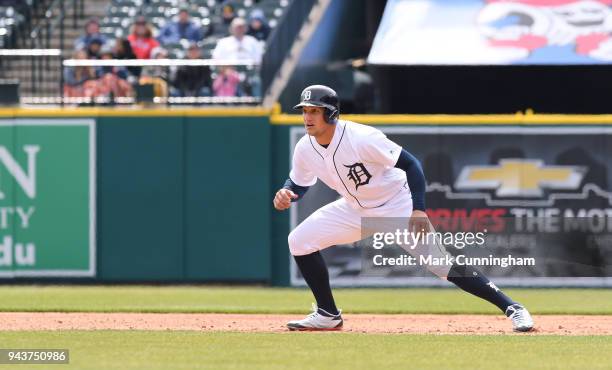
x: 11, y: 23
x: 120, y: 13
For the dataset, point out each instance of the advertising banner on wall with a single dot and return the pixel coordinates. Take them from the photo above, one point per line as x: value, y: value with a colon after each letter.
x: 494, y: 32
x: 47, y: 198
x: 529, y: 206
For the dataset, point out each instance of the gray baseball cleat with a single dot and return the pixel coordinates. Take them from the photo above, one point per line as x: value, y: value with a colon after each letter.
x: 319, y: 319
x: 521, y: 319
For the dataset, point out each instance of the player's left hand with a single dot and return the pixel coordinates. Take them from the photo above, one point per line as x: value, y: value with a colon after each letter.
x: 419, y: 222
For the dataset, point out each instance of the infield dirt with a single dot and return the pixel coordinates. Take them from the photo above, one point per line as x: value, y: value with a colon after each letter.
x: 360, y: 323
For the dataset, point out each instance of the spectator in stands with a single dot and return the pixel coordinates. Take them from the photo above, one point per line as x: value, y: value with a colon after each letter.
x: 93, y: 47
x: 258, y: 26
x: 111, y: 80
x: 156, y: 71
x: 141, y: 38
x: 228, y: 13
x: 174, y: 32
x: 92, y: 31
x: 241, y: 47
x: 238, y: 45
x: 227, y: 82
x: 156, y: 75
x: 107, y: 53
x: 192, y: 80
x: 78, y: 80
x: 123, y: 50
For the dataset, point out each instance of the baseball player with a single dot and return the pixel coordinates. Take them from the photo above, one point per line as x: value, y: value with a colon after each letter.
x: 375, y: 178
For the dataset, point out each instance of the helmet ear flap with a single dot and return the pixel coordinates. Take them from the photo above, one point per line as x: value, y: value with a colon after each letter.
x: 331, y: 115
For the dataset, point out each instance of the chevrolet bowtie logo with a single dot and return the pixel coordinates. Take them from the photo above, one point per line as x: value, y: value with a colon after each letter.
x: 520, y: 177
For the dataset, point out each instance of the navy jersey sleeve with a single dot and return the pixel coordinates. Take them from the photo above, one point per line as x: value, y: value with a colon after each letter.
x: 415, y: 178
x: 297, y: 189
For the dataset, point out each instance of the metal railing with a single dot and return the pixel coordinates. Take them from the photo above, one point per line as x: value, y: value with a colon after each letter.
x: 27, y: 14
x: 105, y: 100
x: 41, y: 36
x: 156, y: 62
x: 14, y: 66
x: 54, y: 19
x: 249, y: 85
x: 248, y: 70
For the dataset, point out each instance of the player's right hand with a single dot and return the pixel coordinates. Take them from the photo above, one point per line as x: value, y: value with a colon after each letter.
x: 282, y: 199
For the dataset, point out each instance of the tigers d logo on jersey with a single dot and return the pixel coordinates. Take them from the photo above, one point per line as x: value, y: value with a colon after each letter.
x: 358, y: 174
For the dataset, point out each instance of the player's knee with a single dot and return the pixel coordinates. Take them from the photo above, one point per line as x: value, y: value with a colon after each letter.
x: 441, y: 271
x: 293, y: 241
x: 297, y: 245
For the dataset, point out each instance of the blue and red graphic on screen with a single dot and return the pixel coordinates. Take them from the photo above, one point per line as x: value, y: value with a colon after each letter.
x: 544, y: 30
x: 494, y: 32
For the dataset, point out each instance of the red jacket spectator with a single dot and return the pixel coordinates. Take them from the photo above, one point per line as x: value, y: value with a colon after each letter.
x: 141, y: 39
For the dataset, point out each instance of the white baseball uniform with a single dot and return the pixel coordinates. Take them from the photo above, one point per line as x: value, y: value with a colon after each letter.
x: 359, y: 164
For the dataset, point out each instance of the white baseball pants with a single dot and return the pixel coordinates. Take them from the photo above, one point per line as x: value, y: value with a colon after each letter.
x: 339, y: 223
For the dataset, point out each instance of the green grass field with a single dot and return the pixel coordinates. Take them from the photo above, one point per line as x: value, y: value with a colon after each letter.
x: 129, y: 350
x: 286, y: 300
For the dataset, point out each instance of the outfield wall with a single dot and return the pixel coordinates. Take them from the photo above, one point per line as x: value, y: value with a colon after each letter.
x: 542, y: 184
x: 182, y: 195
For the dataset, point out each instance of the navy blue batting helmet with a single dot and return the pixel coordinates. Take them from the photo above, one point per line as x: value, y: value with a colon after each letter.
x: 321, y: 96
